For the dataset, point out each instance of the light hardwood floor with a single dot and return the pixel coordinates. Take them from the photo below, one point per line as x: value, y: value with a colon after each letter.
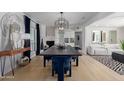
x: 88, y: 70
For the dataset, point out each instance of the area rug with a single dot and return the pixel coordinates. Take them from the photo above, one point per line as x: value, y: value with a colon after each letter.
x: 112, y: 64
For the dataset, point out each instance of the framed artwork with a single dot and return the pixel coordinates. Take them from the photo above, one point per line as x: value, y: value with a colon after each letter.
x: 103, y: 36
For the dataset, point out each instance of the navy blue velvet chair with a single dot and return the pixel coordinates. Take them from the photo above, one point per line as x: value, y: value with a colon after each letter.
x: 67, y: 64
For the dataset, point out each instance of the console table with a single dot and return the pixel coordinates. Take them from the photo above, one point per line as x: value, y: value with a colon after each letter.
x: 118, y: 56
x: 10, y: 54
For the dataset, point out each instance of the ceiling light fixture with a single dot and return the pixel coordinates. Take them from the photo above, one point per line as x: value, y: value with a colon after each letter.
x: 61, y: 23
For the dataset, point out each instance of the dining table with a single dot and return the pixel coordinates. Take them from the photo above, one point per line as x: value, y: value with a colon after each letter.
x: 61, y: 51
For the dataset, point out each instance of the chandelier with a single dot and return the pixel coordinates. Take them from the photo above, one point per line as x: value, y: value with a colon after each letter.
x: 61, y: 23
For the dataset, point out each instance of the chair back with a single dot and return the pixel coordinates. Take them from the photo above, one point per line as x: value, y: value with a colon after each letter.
x: 65, y: 59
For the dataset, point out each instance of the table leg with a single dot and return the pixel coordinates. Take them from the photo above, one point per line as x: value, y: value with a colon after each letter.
x: 11, y: 63
x: 70, y: 70
x: 14, y: 61
x: 61, y: 71
x: 77, y: 59
x: 2, y: 65
x: 44, y: 63
x: 52, y: 70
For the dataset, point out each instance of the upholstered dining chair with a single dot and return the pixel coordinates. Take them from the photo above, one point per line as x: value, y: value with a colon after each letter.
x: 76, y: 58
x: 67, y: 64
x: 46, y: 58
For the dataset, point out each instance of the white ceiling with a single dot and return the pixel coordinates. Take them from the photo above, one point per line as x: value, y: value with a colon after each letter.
x: 113, y: 20
x: 49, y: 18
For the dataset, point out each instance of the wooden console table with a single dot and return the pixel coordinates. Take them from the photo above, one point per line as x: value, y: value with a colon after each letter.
x: 10, y: 54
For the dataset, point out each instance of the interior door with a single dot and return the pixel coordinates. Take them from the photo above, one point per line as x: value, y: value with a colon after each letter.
x: 78, y: 39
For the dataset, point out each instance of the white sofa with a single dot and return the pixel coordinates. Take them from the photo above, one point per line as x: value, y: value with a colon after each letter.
x: 106, y: 49
x: 113, y: 48
x: 96, y: 49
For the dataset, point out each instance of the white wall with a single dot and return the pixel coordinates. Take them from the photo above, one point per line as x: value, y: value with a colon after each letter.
x: 88, y: 33
x: 50, y: 33
x: 7, y: 63
x: 47, y: 33
x: 1, y: 15
x: 120, y: 34
x: 23, y: 36
x: 43, y: 33
x: 83, y: 39
x: 69, y: 33
x: 80, y: 28
x: 56, y: 36
x: 99, y: 15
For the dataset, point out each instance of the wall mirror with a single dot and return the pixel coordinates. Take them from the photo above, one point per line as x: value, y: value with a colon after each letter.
x: 96, y: 36
x: 112, y: 37
x: 109, y: 37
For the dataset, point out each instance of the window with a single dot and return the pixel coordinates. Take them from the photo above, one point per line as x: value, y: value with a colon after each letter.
x: 71, y: 40
x: 66, y: 40
x: 33, y: 39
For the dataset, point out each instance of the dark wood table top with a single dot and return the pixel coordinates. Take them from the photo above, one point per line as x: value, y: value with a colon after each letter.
x: 54, y: 50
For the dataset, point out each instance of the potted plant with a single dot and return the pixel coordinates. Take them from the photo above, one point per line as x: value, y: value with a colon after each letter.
x: 122, y: 44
